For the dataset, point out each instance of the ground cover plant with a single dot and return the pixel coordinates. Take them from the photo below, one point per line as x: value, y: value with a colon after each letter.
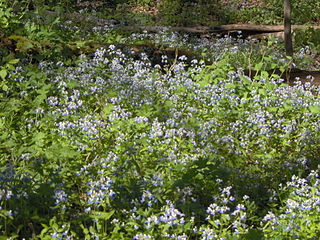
x: 115, y: 148
x: 106, y: 143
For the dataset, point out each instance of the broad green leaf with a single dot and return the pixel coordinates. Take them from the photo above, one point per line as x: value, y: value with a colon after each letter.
x: 265, y: 74
x: 258, y: 66
x: 230, y: 85
x: 246, y: 80
x: 38, y: 138
x: 59, y: 151
x: 287, y: 107
x: 181, y: 89
x: 23, y: 44
x: 73, y: 84
x: 270, y: 86
x: 107, y: 109
x: 3, y: 74
x: 4, y: 87
x: 273, y: 109
x: 262, y: 92
x: 102, y: 215
x: 314, y: 109
x: 14, y: 61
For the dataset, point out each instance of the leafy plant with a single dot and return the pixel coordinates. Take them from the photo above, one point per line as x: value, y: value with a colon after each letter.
x: 307, y: 38
x: 115, y: 146
x: 8, y: 21
x: 6, y: 69
x: 298, y: 216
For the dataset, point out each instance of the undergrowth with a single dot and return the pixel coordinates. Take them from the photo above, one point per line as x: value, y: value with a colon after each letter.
x: 105, y: 144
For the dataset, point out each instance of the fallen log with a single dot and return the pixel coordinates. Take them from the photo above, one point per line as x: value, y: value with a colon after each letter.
x: 156, y: 29
x: 248, y: 28
x: 258, y: 28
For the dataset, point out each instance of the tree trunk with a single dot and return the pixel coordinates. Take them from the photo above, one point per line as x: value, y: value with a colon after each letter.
x: 287, y: 28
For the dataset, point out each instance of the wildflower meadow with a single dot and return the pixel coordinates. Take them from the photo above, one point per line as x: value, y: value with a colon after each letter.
x: 111, y: 145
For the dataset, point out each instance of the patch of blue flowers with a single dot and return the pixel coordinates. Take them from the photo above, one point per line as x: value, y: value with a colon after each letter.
x: 115, y: 148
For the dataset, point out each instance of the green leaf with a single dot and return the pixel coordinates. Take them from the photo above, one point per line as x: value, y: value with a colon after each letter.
x: 3, y: 74
x: 270, y: 86
x: 44, y: 230
x: 213, y: 223
x: 84, y: 229
x: 9, y: 144
x: 314, y: 109
x: 59, y: 151
x: 73, y: 84
x: 246, y: 80
x: 262, y: 92
x: 230, y: 85
x: 287, y: 107
x: 102, y: 215
x: 14, y: 61
x: 265, y: 74
x: 275, y: 109
x: 38, y: 138
x: 233, y: 238
x: 107, y: 109
x: 145, y: 111
x: 4, y: 87
x: 205, y: 82
x: 258, y: 67
x: 181, y: 89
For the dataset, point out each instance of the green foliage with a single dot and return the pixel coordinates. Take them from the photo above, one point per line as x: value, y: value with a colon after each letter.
x: 308, y: 37
x: 5, y: 69
x: 306, y: 11
x: 179, y: 12
x: 298, y: 216
x: 100, y: 154
x: 271, y: 11
x: 170, y: 12
x: 113, y: 147
x: 8, y: 21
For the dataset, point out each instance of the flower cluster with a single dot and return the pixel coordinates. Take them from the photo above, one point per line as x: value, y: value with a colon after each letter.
x: 224, y: 221
x: 299, y: 217
x: 99, y: 189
